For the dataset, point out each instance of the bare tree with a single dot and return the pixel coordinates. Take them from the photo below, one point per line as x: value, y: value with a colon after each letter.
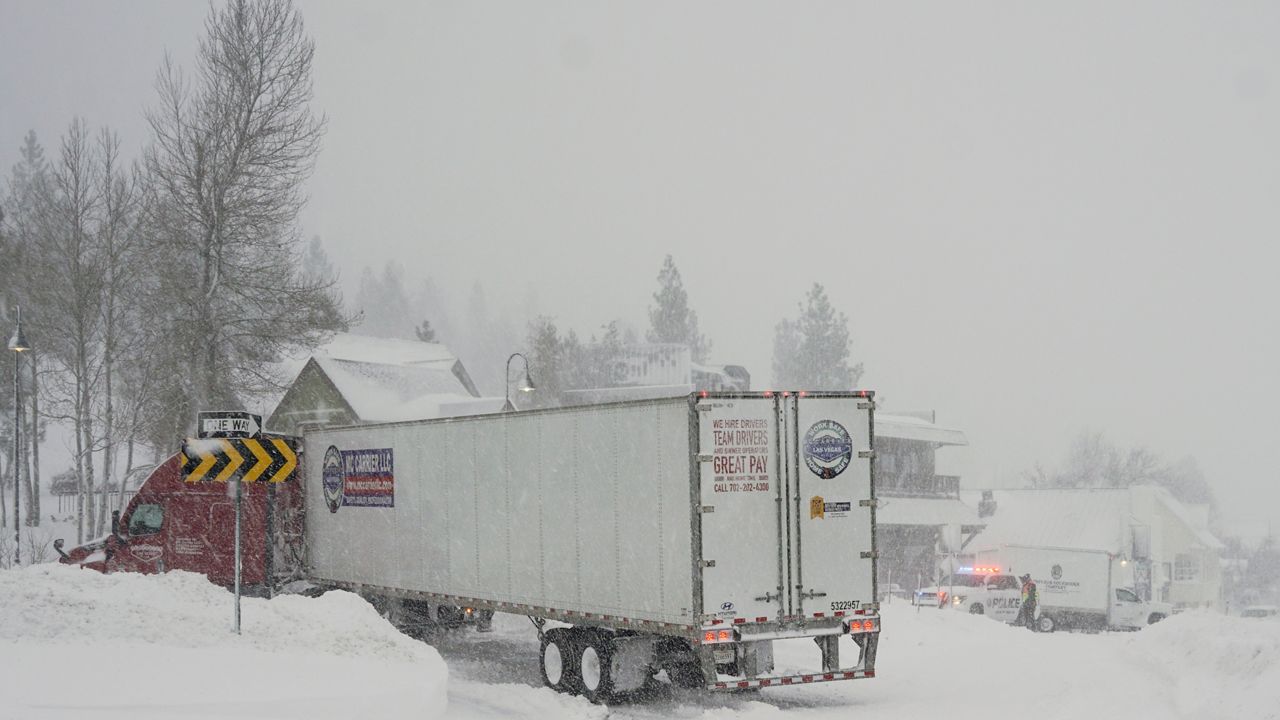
x: 67, y: 259
x: 119, y: 244
x: 230, y: 155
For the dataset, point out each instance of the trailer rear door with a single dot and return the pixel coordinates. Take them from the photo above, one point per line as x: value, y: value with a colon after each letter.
x: 741, y: 496
x: 828, y: 446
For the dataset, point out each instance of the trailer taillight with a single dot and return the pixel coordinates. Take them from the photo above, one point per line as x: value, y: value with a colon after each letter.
x: 710, y: 637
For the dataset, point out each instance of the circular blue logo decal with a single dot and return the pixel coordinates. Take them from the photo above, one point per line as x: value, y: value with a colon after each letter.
x: 827, y: 449
x: 332, y: 478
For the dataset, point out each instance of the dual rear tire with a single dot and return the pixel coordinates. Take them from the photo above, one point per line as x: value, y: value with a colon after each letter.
x: 579, y: 662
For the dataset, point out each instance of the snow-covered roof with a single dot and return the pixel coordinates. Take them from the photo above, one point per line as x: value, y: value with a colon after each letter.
x: 907, y: 427
x: 385, y: 351
x: 924, y: 511
x: 390, y: 380
x: 1074, y: 518
x: 1085, y: 518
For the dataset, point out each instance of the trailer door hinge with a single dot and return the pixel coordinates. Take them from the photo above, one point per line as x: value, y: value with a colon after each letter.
x: 866, y: 406
x: 870, y: 555
x: 770, y: 597
x: 866, y: 453
x: 705, y: 509
x: 813, y: 594
x: 703, y: 408
x: 872, y: 503
x: 705, y: 457
x: 706, y: 563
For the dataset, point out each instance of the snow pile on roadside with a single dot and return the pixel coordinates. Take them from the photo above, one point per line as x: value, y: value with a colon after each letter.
x: 1224, y: 666
x: 160, y: 645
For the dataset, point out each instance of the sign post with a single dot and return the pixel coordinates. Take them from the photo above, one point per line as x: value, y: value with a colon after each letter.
x: 238, y: 492
x: 230, y: 459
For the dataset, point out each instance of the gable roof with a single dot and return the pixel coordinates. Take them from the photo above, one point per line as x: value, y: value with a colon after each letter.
x: 385, y: 380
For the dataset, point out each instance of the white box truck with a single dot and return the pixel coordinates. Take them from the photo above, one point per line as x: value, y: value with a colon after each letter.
x: 682, y: 535
x: 1086, y: 589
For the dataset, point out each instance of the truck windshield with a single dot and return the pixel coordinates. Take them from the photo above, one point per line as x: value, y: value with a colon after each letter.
x: 146, y: 520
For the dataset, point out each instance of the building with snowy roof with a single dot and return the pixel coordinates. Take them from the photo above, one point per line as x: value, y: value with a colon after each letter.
x: 1173, y: 555
x: 920, y: 515
x: 358, y: 379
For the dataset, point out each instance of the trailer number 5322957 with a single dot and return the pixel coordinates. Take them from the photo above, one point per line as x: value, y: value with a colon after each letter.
x: 845, y: 604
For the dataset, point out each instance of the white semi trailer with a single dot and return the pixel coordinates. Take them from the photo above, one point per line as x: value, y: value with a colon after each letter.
x: 683, y: 535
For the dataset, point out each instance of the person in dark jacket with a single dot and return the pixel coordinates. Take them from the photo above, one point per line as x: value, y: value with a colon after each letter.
x: 1030, y: 598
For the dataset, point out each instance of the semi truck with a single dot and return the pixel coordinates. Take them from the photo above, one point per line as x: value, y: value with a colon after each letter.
x: 679, y: 536
x: 1084, y: 589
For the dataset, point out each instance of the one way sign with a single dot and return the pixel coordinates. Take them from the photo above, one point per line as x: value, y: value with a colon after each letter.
x: 228, y: 424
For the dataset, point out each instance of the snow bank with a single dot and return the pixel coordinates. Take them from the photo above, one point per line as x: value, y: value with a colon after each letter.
x: 1223, y: 666
x: 74, y: 641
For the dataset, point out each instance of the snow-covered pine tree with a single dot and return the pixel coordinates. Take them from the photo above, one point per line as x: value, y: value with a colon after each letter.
x: 672, y: 320
x: 812, y: 351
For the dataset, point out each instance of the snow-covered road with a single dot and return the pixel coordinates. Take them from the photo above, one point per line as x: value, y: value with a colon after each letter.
x: 935, y: 664
x: 76, y: 644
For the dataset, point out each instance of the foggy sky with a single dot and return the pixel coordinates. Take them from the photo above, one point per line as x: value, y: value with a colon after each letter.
x: 1037, y: 218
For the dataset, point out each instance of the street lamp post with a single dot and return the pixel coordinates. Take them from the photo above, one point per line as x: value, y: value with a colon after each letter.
x: 527, y: 386
x: 18, y: 344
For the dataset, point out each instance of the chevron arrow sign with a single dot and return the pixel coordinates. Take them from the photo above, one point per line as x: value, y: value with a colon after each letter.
x: 245, y: 459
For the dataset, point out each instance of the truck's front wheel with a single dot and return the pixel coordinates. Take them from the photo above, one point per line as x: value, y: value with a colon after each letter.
x: 976, y: 609
x: 1155, y: 618
x: 1046, y: 624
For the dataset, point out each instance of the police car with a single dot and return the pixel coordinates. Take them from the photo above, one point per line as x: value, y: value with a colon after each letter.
x: 977, y: 590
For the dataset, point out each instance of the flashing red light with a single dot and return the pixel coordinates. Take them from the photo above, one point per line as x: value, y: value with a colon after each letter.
x: 724, y: 635
x: 768, y: 393
x: 868, y: 625
x: 709, y: 637
x: 704, y: 393
x: 803, y: 393
x: 786, y: 393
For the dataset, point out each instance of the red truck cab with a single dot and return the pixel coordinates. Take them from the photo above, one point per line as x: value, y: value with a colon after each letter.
x: 174, y: 525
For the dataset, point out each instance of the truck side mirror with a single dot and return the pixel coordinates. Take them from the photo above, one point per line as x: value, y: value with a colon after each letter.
x: 115, y: 523
x: 57, y: 546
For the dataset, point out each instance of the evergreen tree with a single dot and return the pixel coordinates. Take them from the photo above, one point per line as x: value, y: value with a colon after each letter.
x: 672, y: 321
x: 384, y: 305
x: 812, y: 351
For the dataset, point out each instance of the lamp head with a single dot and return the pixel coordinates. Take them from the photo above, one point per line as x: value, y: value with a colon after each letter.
x: 18, y: 343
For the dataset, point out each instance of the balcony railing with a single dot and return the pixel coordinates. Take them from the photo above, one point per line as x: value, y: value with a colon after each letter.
x: 918, y: 485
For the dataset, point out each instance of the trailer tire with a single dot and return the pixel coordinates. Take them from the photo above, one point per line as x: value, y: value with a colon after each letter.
x: 595, y: 667
x: 1046, y: 624
x: 976, y: 609
x: 557, y: 660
